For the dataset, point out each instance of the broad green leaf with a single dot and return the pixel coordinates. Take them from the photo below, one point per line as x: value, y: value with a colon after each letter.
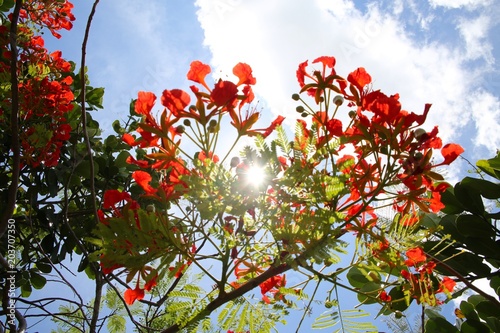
x: 486, y: 188
x: 452, y: 204
x: 368, y: 293
x: 399, y: 300
x: 468, y: 311
x: 491, y: 166
x: 94, y: 97
x: 474, y: 226
x: 37, y: 280
x: 470, y: 198
x: 473, y: 326
x: 439, y: 325
x: 357, y: 277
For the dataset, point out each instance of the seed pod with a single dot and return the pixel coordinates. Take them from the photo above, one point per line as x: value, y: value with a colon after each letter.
x: 235, y: 161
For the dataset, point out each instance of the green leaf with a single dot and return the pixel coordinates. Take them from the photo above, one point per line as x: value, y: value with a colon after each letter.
x: 486, y: 188
x: 491, y: 166
x: 472, y: 326
x: 452, y: 204
x: 26, y: 290
x: 116, y: 323
x: 468, y: 311
x: 470, y: 198
x: 7, y: 5
x: 44, y: 267
x: 493, y: 323
x: 94, y: 97
x: 474, y: 226
x: 370, y: 290
x: 37, y: 280
x: 357, y: 277
x: 399, y: 299
x: 439, y: 325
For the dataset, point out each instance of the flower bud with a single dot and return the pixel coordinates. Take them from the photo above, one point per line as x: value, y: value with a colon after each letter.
x: 352, y: 114
x: 295, y: 97
x: 235, y: 161
x: 338, y: 100
x: 304, y: 114
x: 187, y: 122
x: 150, y: 208
x: 212, y: 123
x: 419, y: 132
x: 180, y: 129
x: 300, y: 109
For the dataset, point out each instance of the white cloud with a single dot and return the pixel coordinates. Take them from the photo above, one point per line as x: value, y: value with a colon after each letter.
x: 475, y: 33
x: 486, y: 114
x: 274, y: 37
x: 469, y: 4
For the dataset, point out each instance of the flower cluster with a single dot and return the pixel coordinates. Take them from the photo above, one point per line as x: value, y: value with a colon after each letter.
x: 45, y: 85
x: 328, y: 181
x: 53, y: 15
x: 419, y: 278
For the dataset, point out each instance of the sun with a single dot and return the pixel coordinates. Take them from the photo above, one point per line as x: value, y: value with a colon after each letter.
x: 255, y: 175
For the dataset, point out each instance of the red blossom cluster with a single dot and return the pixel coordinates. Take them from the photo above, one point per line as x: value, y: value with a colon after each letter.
x: 53, y: 15
x: 271, y: 286
x: 384, y: 137
x: 420, y: 279
x: 45, y: 94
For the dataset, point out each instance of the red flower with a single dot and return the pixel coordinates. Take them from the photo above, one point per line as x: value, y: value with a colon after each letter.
x: 384, y: 297
x: 415, y: 256
x: 450, y: 153
x: 151, y: 283
x: 447, y: 285
x: 131, y: 295
x: 301, y: 73
x: 143, y: 178
x: 202, y: 156
x: 224, y: 93
x: 244, y: 73
x: 359, y: 78
x: 112, y: 197
x: 175, y: 100
x: 145, y: 102
x: 276, y: 122
x: 140, y: 163
x: 198, y: 71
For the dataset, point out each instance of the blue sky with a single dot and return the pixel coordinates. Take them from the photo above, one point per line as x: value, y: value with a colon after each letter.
x: 437, y: 51
x: 443, y: 52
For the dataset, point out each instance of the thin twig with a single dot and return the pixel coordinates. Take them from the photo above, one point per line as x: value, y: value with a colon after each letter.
x: 98, y: 281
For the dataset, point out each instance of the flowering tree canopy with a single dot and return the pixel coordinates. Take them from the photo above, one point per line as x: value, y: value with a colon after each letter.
x: 192, y: 204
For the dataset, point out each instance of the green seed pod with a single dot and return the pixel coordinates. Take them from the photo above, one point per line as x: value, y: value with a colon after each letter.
x: 328, y: 304
x: 180, y: 129
x: 338, y: 100
x: 419, y: 132
x: 235, y: 161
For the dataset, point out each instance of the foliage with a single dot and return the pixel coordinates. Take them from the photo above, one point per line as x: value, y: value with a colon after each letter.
x: 465, y: 246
